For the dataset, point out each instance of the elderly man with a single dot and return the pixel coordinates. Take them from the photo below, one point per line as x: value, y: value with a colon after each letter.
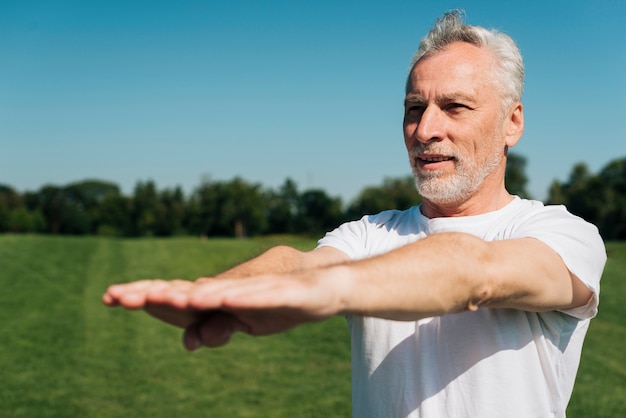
x: 473, y: 304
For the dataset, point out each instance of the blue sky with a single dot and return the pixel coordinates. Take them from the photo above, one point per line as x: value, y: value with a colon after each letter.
x: 129, y: 91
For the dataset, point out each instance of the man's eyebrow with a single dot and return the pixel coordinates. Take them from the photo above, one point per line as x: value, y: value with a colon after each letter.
x: 444, y: 98
x: 453, y: 97
x: 414, y: 99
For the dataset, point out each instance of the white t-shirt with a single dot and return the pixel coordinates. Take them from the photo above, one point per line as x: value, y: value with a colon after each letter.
x: 488, y: 363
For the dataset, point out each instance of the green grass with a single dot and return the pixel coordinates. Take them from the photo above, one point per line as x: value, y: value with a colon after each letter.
x: 600, y: 389
x: 63, y: 354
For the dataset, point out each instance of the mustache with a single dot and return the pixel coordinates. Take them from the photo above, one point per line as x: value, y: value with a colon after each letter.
x: 431, y: 149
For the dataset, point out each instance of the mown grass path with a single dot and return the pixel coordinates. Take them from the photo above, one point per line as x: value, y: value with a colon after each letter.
x: 63, y: 354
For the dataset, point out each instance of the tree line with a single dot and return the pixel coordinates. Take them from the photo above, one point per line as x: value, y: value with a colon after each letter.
x: 240, y: 208
x: 599, y: 198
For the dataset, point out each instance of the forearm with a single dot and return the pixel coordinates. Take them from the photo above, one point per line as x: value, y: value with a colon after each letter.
x: 283, y: 259
x: 453, y: 272
x: 428, y: 278
x: 280, y: 259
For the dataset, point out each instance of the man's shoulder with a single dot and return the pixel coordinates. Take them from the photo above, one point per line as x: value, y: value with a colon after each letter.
x: 394, y: 218
x: 523, y: 209
x: 386, y: 215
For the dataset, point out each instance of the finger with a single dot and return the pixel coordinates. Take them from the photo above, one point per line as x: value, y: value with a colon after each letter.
x: 263, y: 292
x: 214, y: 331
x: 109, y: 300
x: 191, y: 340
x: 174, y: 293
x: 116, y: 291
x: 210, y: 333
x: 129, y: 295
x: 208, y: 295
x: 235, y: 294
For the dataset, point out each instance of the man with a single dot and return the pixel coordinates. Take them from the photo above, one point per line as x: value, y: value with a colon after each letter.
x: 473, y: 304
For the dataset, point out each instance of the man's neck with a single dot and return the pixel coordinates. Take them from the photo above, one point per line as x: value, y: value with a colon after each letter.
x: 475, y: 205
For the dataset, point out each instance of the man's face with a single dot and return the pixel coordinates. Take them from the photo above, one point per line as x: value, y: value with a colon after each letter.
x: 454, y: 128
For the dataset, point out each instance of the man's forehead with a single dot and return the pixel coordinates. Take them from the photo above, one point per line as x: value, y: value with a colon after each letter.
x: 459, y: 59
x: 453, y: 72
x: 448, y: 71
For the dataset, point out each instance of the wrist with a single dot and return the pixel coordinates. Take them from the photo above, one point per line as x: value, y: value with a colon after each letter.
x: 341, y: 279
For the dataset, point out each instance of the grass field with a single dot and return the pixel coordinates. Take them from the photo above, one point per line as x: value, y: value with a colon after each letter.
x: 63, y: 354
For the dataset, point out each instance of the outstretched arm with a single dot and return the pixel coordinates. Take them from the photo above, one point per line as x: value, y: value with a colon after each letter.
x: 455, y: 272
x: 441, y: 274
x: 149, y: 294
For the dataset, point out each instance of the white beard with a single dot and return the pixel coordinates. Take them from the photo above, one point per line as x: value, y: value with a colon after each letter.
x: 467, y: 178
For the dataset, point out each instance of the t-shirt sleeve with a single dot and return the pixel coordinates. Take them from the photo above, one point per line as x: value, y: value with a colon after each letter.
x: 348, y: 238
x: 578, y: 243
x: 357, y: 238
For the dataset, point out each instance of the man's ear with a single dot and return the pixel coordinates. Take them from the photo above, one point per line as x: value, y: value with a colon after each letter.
x: 515, y: 125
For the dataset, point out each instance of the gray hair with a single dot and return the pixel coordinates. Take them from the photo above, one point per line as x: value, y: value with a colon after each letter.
x: 450, y: 28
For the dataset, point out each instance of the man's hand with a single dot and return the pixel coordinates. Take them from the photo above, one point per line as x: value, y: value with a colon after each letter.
x: 141, y: 295
x: 211, y: 310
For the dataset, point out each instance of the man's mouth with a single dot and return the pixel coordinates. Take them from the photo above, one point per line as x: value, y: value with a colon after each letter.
x: 426, y: 159
x: 432, y: 162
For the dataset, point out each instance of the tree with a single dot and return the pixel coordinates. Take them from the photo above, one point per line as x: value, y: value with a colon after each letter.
x: 90, y: 193
x: 599, y: 199
x: 85, y: 199
x: 234, y: 208
x: 318, y: 212
x: 144, y: 209
x: 282, y: 208
x: 170, y: 213
x: 515, y: 178
x: 15, y: 215
x: 613, y: 178
x: 9, y: 201
x: 202, y: 209
x: 576, y: 193
x: 394, y: 193
x: 243, y: 208
x: 51, y: 202
x: 115, y: 216
x: 23, y: 220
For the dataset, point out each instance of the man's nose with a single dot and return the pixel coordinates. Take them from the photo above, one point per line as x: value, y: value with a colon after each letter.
x: 431, y: 125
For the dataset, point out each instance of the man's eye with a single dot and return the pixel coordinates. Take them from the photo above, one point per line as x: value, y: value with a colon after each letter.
x: 456, y: 107
x: 414, y: 111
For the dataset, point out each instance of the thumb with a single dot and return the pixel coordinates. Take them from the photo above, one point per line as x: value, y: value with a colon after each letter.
x: 214, y: 331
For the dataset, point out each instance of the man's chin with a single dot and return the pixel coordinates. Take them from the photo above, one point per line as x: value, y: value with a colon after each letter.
x: 441, y: 195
